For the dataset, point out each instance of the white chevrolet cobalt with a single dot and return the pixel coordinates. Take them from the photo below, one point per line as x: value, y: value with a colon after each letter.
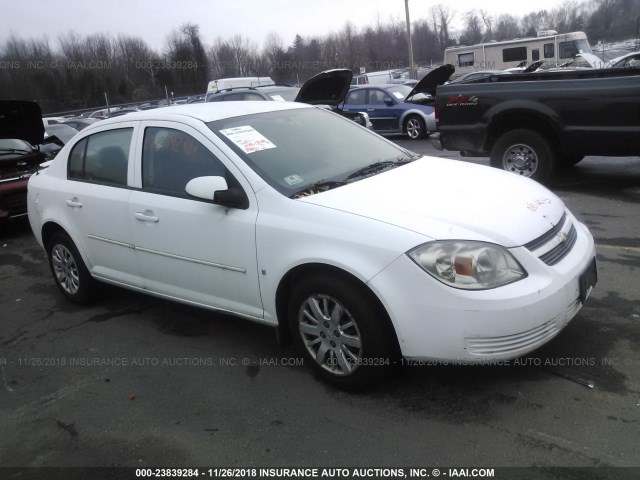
x: 293, y: 216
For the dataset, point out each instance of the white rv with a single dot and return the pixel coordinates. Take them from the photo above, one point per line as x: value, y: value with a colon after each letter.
x: 224, y: 83
x: 549, y: 45
x: 387, y: 76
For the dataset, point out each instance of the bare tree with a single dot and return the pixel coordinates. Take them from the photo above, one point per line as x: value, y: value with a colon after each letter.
x: 488, y: 21
x: 507, y: 27
x: 192, y: 33
x: 273, y: 47
x: 137, y: 61
x: 242, y: 49
x: 472, y: 33
x: 441, y: 17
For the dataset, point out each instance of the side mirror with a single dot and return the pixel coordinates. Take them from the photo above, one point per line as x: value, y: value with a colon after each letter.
x: 205, y: 187
x: 216, y: 190
x: 388, y: 102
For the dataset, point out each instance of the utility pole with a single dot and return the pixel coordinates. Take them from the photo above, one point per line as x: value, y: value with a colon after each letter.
x: 411, y: 69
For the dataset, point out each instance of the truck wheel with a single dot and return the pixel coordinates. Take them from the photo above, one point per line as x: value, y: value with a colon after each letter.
x: 524, y: 152
x: 68, y: 269
x: 415, y: 127
x: 341, y: 333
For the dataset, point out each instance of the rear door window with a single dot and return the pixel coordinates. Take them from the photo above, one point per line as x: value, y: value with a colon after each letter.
x: 356, y: 97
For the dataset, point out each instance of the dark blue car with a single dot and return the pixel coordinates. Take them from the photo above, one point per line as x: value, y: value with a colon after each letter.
x: 400, y: 108
x: 389, y: 112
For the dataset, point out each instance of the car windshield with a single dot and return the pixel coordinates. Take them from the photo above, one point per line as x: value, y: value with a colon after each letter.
x: 285, y: 95
x: 400, y: 91
x: 63, y: 132
x: 294, y: 150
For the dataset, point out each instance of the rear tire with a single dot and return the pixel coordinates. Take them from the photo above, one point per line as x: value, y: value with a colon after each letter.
x: 525, y: 153
x: 341, y: 332
x: 68, y: 269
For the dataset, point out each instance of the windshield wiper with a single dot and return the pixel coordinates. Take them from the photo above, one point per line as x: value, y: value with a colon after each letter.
x: 317, y: 188
x: 377, y: 167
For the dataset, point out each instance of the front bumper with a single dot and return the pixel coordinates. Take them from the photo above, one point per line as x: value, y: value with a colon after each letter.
x: 13, y: 197
x: 437, y: 322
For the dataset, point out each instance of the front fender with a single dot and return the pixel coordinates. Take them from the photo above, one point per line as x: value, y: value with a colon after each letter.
x: 429, y: 119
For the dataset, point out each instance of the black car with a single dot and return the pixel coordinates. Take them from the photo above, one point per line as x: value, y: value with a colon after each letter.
x: 20, y: 128
x: 282, y: 93
x: 79, y: 123
x: 62, y: 131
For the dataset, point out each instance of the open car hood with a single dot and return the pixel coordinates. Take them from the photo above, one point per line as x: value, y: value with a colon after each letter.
x: 326, y: 88
x: 431, y: 81
x: 21, y: 120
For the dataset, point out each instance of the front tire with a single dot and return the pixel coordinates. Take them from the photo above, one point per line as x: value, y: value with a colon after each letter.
x: 525, y: 153
x: 68, y: 269
x: 415, y: 127
x: 340, y: 331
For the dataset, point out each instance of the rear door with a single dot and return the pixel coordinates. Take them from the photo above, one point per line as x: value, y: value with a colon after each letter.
x: 100, y: 170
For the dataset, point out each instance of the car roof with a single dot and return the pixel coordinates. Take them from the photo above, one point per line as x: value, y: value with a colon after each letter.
x: 205, y: 112
x: 257, y: 89
x: 379, y: 85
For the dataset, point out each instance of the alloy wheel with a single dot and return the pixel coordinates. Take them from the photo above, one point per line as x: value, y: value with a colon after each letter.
x: 65, y: 269
x: 330, y: 334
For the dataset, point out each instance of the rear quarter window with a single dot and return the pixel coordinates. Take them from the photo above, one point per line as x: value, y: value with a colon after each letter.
x: 101, y: 158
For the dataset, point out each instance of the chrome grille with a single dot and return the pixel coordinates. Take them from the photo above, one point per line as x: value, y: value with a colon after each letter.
x: 545, y: 237
x: 555, y: 244
x: 560, y: 251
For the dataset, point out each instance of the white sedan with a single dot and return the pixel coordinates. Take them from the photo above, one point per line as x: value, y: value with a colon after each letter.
x: 360, y: 251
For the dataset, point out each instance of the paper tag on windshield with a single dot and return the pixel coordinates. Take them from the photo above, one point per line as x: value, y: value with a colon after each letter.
x: 398, y: 95
x: 247, y: 138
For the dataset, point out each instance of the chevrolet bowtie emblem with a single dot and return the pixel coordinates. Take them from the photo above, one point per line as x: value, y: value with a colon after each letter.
x: 562, y: 237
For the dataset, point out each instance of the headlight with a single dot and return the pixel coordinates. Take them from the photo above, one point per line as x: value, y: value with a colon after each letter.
x: 467, y: 264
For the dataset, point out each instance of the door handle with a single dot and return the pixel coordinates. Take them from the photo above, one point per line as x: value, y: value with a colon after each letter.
x: 146, y: 217
x: 371, y: 109
x: 74, y: 202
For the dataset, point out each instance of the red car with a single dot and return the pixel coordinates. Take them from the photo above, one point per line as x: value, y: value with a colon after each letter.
x: 20, y: 128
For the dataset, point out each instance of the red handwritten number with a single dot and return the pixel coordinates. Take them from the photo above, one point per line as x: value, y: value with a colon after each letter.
x: 189, y: 149
x: 533, y: 206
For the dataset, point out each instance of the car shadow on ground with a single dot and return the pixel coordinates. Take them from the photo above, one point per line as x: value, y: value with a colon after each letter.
x: 615, y: 177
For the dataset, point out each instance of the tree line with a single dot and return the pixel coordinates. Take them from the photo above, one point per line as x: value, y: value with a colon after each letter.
x: 80, y: 72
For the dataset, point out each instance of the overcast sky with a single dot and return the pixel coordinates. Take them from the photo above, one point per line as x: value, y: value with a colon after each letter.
x: 152, y: 20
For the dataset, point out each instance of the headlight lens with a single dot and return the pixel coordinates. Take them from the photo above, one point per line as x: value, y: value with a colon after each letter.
x: 467, y: 264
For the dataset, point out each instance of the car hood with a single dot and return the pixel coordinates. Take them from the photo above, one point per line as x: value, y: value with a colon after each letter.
x: 21, y: 120
x: 449, y: 199
x: 326, y: 88
x: 431, y: 81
